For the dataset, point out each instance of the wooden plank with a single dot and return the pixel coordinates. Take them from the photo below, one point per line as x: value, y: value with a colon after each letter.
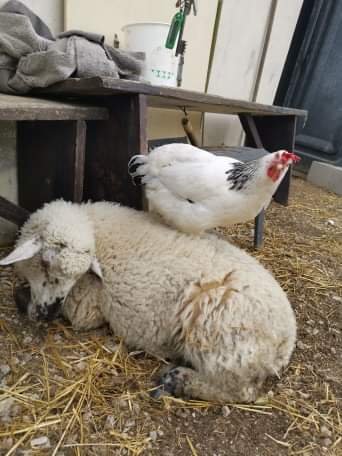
x: 110, y: 144
x: 244, y: 154
x: 79, y: 160
x: 13, y: 213
x: 251, y: 131
x: 14, y: 107
x: 70, y: 171
x: 164, y: 97
x: 49, y: 157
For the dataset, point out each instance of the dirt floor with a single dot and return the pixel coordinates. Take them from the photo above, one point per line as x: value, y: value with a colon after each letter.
x: 83, y: 394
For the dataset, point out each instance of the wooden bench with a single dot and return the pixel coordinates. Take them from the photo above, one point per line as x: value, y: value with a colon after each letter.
x: 80, y: 151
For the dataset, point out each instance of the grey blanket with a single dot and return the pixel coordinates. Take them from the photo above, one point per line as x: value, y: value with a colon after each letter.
x: 30, y: 56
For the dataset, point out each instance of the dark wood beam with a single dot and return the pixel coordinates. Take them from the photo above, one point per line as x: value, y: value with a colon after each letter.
x: 13, y: 213
x: 110, y: 145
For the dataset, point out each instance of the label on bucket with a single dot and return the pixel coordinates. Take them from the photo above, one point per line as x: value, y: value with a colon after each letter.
x: 162, y: 74
x: 161, y: 67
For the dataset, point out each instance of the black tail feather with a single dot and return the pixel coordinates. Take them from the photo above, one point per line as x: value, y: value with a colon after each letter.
x: 137, y: 180
x: 133, y: 169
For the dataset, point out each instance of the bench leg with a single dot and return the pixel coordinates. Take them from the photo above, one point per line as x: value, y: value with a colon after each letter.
x: 253, y: 139
x: 77, y: 162
x: 110, y: 145
x: 278, y: 132
x: 259, y: 229
x: 50, y: 156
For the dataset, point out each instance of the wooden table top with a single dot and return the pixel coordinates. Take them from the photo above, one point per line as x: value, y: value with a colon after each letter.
x: 164, y: 97
x: 13, y: 107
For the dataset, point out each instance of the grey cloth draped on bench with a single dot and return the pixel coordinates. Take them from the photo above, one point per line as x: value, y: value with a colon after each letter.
x: 31, y: 57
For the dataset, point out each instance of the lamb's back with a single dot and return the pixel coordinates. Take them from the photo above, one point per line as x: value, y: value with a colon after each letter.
x: 149, y: 268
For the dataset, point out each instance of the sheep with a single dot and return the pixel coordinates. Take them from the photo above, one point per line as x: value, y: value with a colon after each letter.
x: 200, y: 302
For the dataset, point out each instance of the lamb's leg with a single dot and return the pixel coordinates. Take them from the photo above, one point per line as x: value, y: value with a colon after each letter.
x: 187, y: 383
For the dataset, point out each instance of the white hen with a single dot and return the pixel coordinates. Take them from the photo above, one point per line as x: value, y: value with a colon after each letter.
x: 195, y: 190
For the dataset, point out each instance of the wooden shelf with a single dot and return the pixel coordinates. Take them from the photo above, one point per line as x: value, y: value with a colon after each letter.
x: 13, y: 107
x: 165, y: 97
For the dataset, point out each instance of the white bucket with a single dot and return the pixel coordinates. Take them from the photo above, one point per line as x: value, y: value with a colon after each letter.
x: 150, y: 37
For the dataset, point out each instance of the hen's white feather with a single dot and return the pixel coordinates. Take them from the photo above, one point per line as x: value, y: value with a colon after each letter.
x: 188, y: 187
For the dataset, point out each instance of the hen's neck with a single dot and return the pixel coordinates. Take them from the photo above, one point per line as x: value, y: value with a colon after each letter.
x: 241, y: 175
x: 262, y: 175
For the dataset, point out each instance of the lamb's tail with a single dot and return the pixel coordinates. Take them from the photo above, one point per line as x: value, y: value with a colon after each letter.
x: 137, y: 169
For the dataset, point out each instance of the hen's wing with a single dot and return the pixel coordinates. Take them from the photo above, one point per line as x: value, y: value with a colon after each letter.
x: 198, y: 181
x: 175, y: 162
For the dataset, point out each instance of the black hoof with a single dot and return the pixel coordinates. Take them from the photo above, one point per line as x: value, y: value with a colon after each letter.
x: 171, y: 384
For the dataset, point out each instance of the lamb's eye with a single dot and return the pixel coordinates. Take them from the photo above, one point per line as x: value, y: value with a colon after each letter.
x: 61, y: 245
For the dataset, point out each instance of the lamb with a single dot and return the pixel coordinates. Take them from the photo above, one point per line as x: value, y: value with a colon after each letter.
x: 199, y: 301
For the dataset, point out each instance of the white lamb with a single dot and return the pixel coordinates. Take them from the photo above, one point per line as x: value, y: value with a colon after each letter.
x: 196, y: 300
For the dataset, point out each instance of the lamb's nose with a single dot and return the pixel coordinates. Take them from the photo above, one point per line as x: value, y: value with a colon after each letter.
x: 49, y: 312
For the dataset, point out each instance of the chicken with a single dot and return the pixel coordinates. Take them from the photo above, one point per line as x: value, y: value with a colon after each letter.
x: 194, y: 190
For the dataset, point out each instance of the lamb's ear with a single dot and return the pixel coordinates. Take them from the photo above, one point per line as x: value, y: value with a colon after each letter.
x: 23, y: 252
x: 96, y: 268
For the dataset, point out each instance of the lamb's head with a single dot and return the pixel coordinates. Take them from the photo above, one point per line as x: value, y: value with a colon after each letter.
x: 55, y: 249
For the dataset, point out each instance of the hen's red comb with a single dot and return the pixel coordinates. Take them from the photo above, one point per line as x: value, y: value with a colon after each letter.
x: 290, y: 156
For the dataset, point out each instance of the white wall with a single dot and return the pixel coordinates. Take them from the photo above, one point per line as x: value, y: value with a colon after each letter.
x: 236, y: 62
x: 51, y: 11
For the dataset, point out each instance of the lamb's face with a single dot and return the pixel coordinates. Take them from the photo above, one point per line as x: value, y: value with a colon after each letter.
x: 51, y: 270
x: 51, y: 274
x: 55, y: 249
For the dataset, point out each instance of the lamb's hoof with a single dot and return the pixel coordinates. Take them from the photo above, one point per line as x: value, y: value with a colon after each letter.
x: 171, y: 383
